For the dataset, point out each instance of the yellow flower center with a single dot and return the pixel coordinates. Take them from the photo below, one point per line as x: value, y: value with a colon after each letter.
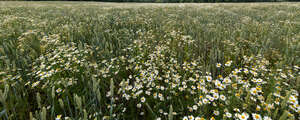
x: 254, y: 91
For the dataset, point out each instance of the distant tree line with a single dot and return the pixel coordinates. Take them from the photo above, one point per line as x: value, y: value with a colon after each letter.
x: 196, y: 1
x: 173, y: 1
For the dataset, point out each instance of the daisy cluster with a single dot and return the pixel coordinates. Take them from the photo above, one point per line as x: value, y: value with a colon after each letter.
x: 155, y: 79
x: 62, y: 65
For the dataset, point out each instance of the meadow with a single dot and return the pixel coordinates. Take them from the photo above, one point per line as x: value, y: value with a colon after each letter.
x: 149, y: 61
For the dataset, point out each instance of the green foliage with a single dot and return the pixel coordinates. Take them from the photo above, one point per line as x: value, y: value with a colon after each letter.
x: 90, y: 60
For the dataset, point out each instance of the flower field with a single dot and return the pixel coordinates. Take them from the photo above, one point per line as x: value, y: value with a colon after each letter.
x: 146, y: 61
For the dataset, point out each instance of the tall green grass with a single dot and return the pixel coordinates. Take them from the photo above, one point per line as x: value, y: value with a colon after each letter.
x: 100, y: 45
